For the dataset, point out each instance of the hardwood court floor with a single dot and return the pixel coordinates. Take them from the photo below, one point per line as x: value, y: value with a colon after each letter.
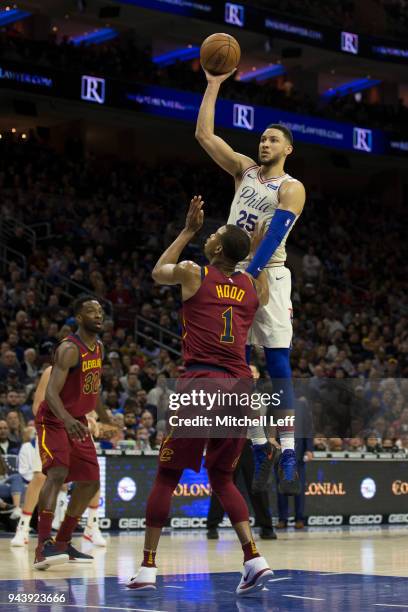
x: 332, y: 569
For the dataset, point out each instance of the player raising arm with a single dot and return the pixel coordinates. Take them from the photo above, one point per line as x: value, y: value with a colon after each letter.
x: 219, y: 305
x: 168, y: 271
x: 264, y: 192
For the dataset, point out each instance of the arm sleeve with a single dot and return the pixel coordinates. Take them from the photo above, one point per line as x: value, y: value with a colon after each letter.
x: 281, y: 222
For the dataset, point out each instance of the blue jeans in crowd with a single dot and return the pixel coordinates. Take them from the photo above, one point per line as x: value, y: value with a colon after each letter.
x: 9, y: 485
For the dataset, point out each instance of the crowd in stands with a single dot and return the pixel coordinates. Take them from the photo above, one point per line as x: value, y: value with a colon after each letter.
x: 350, y: 295
x: 398, y: 11
x: 339, y: 14
x: 125, y: 58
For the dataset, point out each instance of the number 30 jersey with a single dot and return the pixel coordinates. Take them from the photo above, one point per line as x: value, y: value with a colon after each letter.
x: 216, y: 321
x: 255, y: 201
x: 81, y: 388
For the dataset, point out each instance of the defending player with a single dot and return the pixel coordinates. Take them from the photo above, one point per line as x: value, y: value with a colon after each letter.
x: 264, y: 192
x: 216, y: 328
x: 66, y: 447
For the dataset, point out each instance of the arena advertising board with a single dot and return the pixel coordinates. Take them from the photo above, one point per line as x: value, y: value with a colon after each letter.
x: 347, y: 492
x: 247, y: 17
x: 99, y: 92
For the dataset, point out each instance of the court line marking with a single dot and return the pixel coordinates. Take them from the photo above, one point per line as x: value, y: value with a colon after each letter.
x: 384, y: 605
x: 65, y: 605
x: 279, y: 579
x: 301, y: 597
x: 169, y: 586
x: 332, y: 574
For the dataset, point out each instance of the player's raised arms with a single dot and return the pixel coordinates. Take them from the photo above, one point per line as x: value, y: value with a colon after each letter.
x: 232, y: 162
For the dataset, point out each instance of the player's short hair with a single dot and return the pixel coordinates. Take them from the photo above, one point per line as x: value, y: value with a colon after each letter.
x: 235, y: 243
x: 80, y: 301
x: 285, y: 131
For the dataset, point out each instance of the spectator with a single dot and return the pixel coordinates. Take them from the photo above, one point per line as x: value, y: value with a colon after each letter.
x: 311, y: 266
x: 7, y: 446
x: 114, y: 359
x: 159, y: 395
x: 147, y: 421
x: 30, y: 367
x: 16, y: 425
x: 335, y: 445
x: 156, y: 440
x: 130, y: 421
x: 372, y: 443
x: 142, y: 439
x: 10, y: 366
x: 11, y: 488
x: 26, y: 455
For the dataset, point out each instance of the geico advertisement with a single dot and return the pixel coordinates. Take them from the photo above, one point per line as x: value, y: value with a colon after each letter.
x: 333, y: 489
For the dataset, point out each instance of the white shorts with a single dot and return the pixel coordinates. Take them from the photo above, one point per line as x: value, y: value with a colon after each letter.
x: 272, y: 326
x: 37, y: 465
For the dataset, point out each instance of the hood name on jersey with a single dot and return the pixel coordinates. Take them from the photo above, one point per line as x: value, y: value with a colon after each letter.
x: 233, y: 293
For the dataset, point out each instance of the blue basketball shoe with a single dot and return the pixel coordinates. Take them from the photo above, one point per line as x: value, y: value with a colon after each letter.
x: 265, y: 457
x: 289, y: 483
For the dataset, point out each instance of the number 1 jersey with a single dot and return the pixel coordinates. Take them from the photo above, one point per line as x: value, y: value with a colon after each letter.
x: 216, y: 321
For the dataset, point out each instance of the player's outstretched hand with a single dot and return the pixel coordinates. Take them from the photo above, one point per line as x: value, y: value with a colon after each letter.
x: 76, y: 429
x: 218, y: 78
x: 195, y: 215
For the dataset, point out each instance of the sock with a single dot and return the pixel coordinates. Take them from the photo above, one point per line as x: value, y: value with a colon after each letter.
x: 92, y: 516
x: 67, y: 528
x: 45, y: 518
x: 149, y: 558
x: 278, y: 365
x: 250, y: 551
x: 287, y: 441
x: 259, y: 441
x: 24, y: 522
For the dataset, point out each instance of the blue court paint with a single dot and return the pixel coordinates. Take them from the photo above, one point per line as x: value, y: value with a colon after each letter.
x: 289, y: 590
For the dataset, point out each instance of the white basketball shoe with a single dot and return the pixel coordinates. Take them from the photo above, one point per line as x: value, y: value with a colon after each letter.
x: 255, y: 574
x: 145, y: 579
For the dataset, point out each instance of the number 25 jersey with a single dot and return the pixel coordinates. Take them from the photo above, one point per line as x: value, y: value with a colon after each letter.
x: 216, y: 321
x: 256, y: 201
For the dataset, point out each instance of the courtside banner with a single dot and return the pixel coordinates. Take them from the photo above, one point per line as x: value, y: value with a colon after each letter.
x: 99, y: 92
x: 364, y: 492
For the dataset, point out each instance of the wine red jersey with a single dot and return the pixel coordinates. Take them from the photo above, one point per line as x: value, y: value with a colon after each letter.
x: 216, y: 321
x: 80, y: 391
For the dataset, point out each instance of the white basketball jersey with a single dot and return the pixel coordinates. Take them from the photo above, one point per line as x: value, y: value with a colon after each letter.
x: 255, y: 201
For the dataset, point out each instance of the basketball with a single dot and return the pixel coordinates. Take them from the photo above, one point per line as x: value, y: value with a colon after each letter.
x: 220, y: 53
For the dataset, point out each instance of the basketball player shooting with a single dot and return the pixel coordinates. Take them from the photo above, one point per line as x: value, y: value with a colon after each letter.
x: 66, y: 448
x: 216, y: 328
x: 264, y: 193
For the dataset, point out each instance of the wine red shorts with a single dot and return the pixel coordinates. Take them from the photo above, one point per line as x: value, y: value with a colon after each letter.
x: 58, y: 449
